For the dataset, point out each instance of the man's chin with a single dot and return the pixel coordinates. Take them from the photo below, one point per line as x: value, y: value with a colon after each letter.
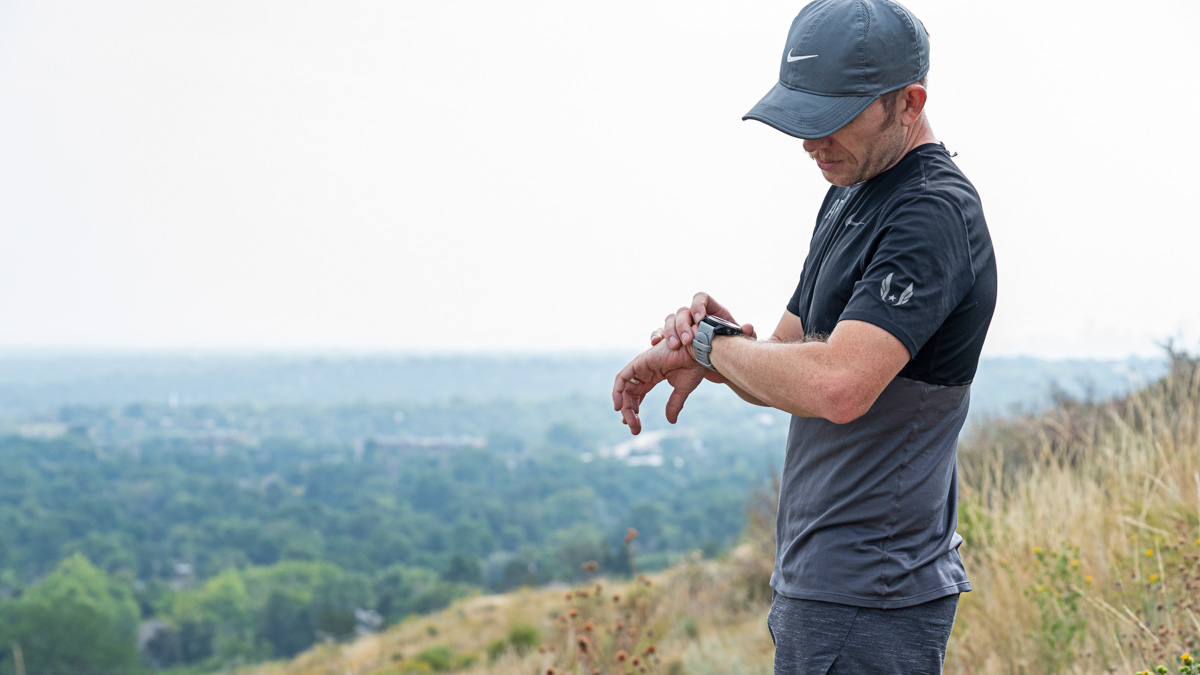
x: 837, y: 179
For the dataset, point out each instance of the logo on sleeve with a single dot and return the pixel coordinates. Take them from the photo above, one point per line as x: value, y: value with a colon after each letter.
x: 886, y: 293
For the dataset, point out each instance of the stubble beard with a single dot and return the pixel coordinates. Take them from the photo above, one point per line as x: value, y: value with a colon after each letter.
x: 878, y: 157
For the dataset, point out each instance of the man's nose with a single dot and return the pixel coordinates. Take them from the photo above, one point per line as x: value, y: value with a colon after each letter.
x: 812, y: 145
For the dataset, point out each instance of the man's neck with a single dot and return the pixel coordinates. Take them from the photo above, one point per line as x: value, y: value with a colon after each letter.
x: 920, y: 134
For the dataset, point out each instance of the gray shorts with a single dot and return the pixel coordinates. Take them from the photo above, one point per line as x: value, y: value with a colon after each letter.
x: 823, y: 638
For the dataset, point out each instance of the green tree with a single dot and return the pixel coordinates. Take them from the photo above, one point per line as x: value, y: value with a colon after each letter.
x: 286, y: 622
x: 401, y: 591
x: 75, y: 619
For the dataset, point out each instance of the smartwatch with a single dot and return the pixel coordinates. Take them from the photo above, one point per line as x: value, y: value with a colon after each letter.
x: 710, y: 328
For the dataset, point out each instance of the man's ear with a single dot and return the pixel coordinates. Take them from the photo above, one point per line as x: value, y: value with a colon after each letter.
x: 914, y: 97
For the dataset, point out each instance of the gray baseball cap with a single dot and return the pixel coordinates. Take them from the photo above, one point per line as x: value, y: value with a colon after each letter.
x: 840, y: 56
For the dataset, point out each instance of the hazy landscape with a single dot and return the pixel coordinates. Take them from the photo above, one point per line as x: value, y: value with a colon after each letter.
x: 191, y: 513
x: 290, y: 294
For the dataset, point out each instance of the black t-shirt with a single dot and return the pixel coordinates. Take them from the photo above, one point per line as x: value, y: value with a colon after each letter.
x: 908, y: 251
x: 868, y: 509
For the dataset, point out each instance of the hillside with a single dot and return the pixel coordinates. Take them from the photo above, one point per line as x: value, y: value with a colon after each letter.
x: 1082, y: 528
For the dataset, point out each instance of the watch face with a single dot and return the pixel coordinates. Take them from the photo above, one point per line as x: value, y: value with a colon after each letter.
x: 721, y: 326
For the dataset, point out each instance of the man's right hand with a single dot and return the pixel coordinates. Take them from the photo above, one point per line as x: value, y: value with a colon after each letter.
x: 679, y: 328
x: 646, y: 370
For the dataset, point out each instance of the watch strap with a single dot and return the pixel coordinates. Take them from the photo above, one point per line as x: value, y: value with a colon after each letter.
x: 707, y: 330
x: 702, y: 346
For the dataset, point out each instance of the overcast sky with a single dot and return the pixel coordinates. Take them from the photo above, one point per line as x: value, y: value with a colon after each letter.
x: 551, y: 176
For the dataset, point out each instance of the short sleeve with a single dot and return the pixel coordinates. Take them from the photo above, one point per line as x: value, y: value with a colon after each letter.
x: 918, y: 271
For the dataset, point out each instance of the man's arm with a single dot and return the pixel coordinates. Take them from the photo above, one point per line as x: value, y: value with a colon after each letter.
x: 838, y: 379
x: 790, y: 329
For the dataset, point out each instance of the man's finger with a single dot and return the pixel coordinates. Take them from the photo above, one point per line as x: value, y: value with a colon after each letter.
x: 704, y: 304
x: 628, y: 417
x: 669, y: 333
x: 700, y: 308
x: 634, y: 403
x: 683, y: 325
x: 656, y: 336
x: 631, y: 419
x: 675, y: 405
x: 622, y: 380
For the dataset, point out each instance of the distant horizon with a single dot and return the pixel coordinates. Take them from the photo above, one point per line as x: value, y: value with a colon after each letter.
x: 398, y: 353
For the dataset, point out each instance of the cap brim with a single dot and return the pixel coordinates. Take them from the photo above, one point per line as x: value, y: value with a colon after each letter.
x: 806, y: 115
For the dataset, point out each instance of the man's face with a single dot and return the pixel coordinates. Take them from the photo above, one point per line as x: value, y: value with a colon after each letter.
x: 862, y: 149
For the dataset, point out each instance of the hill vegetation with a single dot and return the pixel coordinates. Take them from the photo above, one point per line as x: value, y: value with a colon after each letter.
x: 193, y: 530
x: 1082, y: 528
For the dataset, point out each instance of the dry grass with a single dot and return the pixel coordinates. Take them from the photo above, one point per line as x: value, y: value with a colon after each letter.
x: 1082, y: 531
x: 686, y: 620
x: 1121, y: 482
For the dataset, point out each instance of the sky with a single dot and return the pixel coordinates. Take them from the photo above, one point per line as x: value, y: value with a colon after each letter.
x: 551, y: 176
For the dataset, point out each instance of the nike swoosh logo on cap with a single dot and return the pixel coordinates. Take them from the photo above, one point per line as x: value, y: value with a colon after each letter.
x: 791, y: 58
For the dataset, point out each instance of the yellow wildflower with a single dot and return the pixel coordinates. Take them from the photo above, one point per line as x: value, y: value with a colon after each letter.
x: 1153, y: 578
x: 1149, y: 552
x: 1074, y: 563
x: 1037, y: 550
x: 1087, y: 580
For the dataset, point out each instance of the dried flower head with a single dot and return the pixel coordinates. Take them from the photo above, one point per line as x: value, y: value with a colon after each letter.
x: 621, y: 656
x: 630, y: 535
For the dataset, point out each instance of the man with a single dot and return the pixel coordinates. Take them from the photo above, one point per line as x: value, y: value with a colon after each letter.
x: 874, y: 356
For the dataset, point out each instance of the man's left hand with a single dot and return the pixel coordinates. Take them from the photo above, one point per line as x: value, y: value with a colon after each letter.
x: 646, y: 370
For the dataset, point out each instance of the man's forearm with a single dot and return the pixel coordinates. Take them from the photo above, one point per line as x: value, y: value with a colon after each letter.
x: 743, y: 394
x: 721, y: 379
x: 837, y: 380
x: 787, y: 376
